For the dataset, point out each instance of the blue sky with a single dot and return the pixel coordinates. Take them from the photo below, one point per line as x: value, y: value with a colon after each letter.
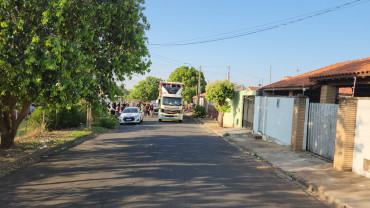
x: 310, y: 44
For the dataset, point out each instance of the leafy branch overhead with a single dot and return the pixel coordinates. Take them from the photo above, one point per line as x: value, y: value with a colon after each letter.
x: 57, y: 52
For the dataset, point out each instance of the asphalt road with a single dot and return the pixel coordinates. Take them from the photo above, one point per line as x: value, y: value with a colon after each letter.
x: 155, y: 164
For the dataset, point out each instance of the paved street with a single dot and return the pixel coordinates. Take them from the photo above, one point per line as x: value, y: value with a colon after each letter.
x: 155, y: 164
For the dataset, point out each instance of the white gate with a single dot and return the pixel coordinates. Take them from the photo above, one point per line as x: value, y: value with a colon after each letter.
x: 322, y: 126
x: 262, y: 112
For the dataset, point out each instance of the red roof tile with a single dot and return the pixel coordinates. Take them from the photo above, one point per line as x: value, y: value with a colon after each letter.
x: 201, y: 95
x: 254, y: 88
x: 355, y: 66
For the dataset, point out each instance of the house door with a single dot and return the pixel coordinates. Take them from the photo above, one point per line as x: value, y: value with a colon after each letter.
x: 321, y: 131
x: 248, y: 112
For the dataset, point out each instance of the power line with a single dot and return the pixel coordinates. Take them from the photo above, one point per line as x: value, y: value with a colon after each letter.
x: 263, y: 29
x: 173, y: 61
x: 205, y: 67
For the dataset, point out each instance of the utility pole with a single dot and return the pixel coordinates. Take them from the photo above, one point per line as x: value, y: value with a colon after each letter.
x: 199, y: 89
x: 262, y: 81
x: 228, y: 73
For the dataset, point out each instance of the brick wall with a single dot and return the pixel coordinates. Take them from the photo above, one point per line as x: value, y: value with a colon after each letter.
x: 328, y: 94
x: 299, y: 112
x: 344, y: 141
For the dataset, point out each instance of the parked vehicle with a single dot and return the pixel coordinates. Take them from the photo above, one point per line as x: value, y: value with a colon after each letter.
x: 131, y: 115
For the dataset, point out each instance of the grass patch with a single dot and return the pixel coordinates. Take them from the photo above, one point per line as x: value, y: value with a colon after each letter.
x: 53, y: 138
x: 226, y: 135
x: 22, y: 129
x: 99, y: 130
x: 77, y: 134
x: 48, y: 139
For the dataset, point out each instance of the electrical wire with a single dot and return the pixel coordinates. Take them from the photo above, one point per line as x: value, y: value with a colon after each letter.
x: 263, y: 29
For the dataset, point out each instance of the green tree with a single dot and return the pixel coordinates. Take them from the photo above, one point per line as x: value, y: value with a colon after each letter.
x: 189, y: 77
x: 123, y: 92
x: 219, y: 92
x: 146, y: 90
x: 57, y: 52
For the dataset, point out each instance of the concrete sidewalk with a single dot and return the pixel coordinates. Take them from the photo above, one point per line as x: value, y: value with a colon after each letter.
x: 341, y: 189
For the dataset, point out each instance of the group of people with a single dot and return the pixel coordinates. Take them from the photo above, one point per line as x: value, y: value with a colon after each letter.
x: 188, y: 108
x: 146, y: 108
x: 116, y: 109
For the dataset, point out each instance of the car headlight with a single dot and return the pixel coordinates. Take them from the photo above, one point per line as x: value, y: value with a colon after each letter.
x: 137, y: 116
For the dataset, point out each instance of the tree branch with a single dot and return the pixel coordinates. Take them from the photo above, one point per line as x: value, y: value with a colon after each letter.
x: 23, y: 113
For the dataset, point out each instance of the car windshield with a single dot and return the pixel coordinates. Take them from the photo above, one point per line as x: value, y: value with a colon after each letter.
x: 130, y: 110
x: 172, y: 101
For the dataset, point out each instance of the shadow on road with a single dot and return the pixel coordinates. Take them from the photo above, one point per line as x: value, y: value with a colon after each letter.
x: 155, y: 164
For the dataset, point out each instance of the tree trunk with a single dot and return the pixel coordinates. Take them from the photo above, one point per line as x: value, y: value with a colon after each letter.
x: 220, y: 119
x: 7, y: 140
x: 88, y: 119
x: 9, y: 121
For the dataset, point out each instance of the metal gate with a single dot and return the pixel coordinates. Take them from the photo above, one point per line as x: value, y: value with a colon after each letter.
x: 248, y: 112
x: 322, y: 125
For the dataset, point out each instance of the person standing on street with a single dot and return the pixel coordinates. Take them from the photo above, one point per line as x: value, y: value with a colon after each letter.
x: 142, y: 108
x: 151, y: 110
x: 147, y: 110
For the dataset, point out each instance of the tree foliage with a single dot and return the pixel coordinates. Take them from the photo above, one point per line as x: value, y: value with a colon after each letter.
x: 219, y: 92
x: 189, y: 77
x: 123, y: 92
x: 57, y: 52
x: 146, y: 90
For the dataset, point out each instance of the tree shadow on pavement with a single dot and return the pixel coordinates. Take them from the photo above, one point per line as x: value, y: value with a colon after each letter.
x: 153, y: 165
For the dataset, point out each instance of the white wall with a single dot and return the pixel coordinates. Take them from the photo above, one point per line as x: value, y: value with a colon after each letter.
x: 257, y: 102
x: 278, y: 118
x: 362, y: 138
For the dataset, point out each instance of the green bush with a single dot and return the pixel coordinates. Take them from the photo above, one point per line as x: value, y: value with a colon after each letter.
x: 58, y: 118
x: 62, y: 118
x: 199, y: 112
x: 35, y: 120
x: 71, y: 118
x: 107, y: 121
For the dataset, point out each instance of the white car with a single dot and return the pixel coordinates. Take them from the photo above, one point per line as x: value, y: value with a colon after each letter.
x: 131, y: 115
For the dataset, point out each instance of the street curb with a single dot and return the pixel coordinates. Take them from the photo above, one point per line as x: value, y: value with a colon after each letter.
x: 200, y: 122
x: 42, y: 154
x: 311, y: 188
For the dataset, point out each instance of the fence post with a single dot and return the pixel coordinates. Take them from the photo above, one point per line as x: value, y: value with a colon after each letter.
x: 345, y: 136
x: 299, y: 114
